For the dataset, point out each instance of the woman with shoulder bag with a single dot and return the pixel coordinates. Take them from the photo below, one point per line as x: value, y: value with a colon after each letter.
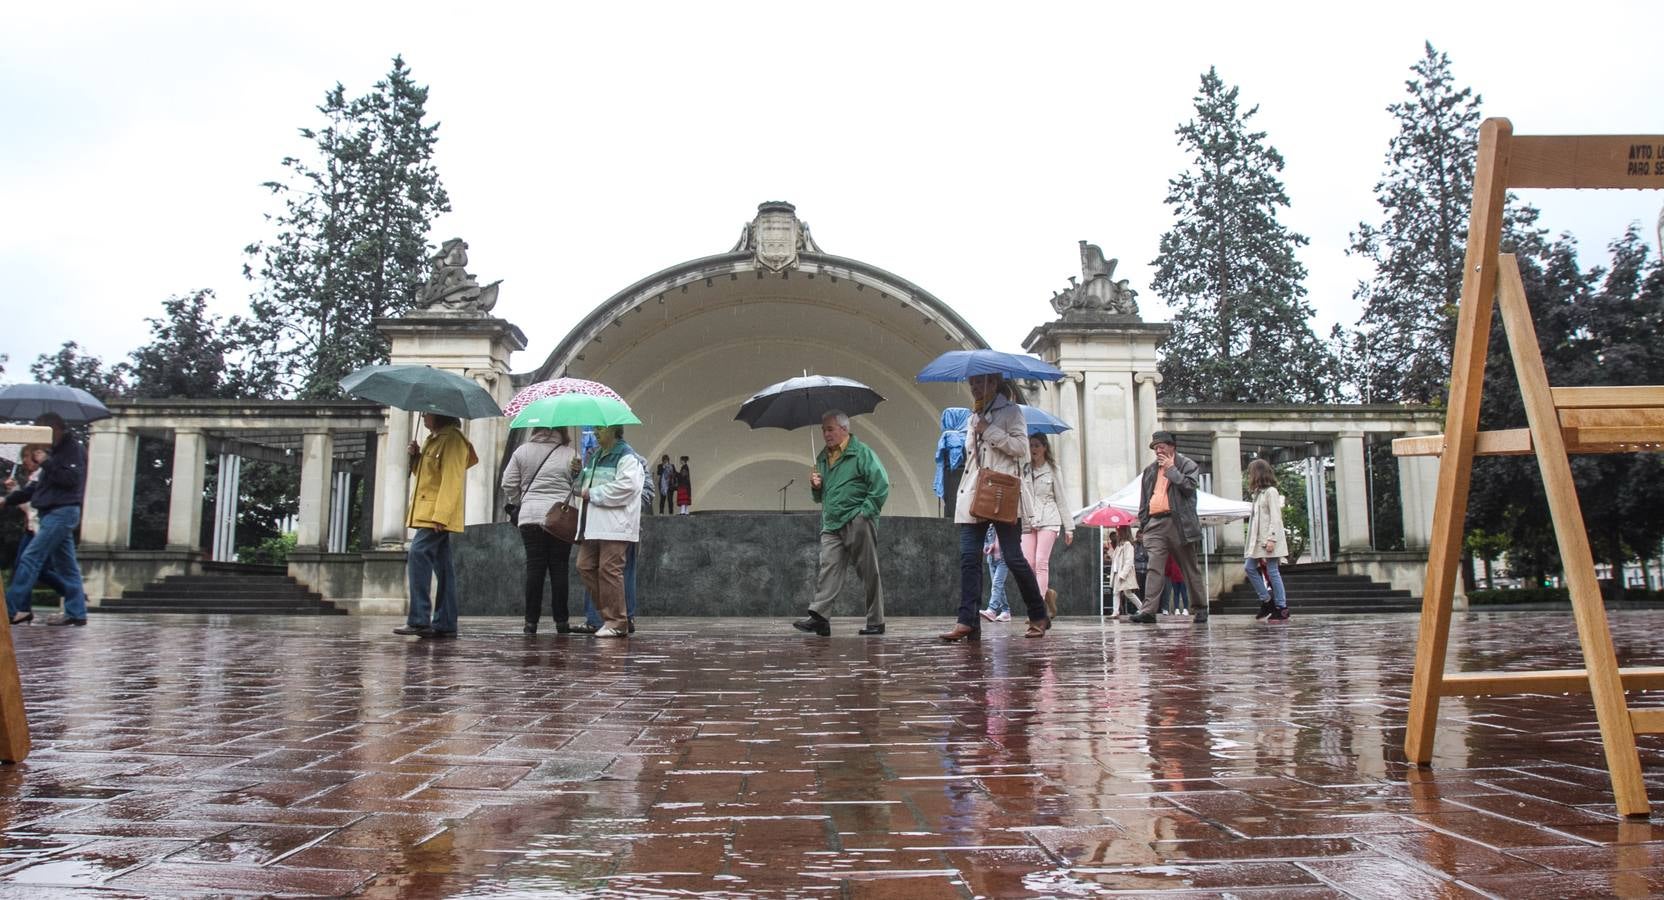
x: 996, y: 443
x: 538, y: 476
x: 1267, y: 542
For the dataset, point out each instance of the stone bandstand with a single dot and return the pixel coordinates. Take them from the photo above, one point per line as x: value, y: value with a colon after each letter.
x: 686, y: 345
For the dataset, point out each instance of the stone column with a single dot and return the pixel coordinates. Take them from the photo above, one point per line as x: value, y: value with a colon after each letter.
x: 1148, y: 419
x: 107, y: 506
x: 1418, y: 481
x: 1227, y: 483
x: 393, y: 481
x: 185, y: 503
x: 1071, y: 458
x: 1351, y: 493
x: 316, y: 466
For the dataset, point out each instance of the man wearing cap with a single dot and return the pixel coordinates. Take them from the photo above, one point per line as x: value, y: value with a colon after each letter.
x: 1168, y: 524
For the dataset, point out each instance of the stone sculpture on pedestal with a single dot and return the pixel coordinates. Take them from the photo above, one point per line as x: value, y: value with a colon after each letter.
x: 1098, y: 297
x: 450, y: 290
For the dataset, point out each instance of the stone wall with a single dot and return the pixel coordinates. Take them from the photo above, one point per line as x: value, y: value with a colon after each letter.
x: 758, y: 564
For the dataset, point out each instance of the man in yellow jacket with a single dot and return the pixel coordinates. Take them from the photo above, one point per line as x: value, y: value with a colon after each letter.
x: 441, y: 466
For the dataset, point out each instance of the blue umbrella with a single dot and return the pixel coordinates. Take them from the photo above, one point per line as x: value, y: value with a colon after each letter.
x: 960, y: 365
x: 1042, y: 422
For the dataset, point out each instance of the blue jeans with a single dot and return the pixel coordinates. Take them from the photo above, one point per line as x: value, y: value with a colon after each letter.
x: 1275, y: 591
x: 592, y: 616
x: 50, y: 556
x: 997, y: 570
x: 46, y: 576
x: 1010, y: 537
x: 430, y: 555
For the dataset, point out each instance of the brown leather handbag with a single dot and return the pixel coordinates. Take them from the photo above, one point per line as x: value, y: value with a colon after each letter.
x: 561, y: 521
x: 998, y: 497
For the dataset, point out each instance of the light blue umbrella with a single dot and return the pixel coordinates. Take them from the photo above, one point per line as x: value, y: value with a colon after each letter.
x: 1041, y: 422
x: 960, y: 365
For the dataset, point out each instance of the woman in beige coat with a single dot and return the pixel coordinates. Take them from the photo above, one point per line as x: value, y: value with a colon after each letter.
x: 1267, y: 541
x: 1044, y: 484
x: 996, y: 438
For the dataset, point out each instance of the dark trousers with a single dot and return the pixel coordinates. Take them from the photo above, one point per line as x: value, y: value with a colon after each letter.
x: 970, y: 570
x: 667, y: 502
x: 950, y: 492
x: 545, y: 555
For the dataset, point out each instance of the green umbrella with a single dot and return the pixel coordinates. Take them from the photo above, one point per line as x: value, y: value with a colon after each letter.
x: 422, y: 389
x: 574, y: 409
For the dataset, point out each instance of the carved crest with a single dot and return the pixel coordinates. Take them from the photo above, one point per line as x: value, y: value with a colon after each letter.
x: 776, y: 236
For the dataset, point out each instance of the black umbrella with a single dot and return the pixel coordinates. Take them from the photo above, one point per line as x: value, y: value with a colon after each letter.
x: 26, y: 402
x: 797, y: 402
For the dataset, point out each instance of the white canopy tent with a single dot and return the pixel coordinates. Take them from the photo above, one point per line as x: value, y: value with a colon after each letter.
x: 1212, y: 509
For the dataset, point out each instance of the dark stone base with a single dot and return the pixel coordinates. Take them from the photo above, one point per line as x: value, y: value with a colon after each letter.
x: 763, y: 564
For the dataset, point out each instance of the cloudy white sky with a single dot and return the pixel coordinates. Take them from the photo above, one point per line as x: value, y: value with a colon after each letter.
x: 964, y: 147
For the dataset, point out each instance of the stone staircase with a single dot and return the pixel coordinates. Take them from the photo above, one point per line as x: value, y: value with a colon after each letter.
x: 1319, y: 588
x: 226, y: 589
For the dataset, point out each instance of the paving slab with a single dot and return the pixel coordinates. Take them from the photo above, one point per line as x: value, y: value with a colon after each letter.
x: 189, y: 756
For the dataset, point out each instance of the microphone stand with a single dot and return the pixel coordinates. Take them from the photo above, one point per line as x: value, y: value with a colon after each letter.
x: 783, y: 493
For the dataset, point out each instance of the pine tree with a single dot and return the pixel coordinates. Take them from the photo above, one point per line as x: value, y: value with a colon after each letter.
x: 1241, y: 323
x: 1401, y: 350
x: 351, y: 238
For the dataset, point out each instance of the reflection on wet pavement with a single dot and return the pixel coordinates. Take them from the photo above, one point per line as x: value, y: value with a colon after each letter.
x: 178, y: 756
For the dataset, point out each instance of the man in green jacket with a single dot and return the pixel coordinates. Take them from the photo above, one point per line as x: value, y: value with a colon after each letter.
x: 850, y: 485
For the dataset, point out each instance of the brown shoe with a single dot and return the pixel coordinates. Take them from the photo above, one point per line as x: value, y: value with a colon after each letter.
x: 1037, y: 628
x: 1051, y: 603
x: 962, y: 633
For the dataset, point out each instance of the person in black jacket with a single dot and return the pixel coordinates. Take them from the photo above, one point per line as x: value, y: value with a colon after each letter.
x: 56, y: 497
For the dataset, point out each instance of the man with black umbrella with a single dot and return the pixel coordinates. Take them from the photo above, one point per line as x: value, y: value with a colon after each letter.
x: 850, y: 485
x: 1168, y: 523
x: 56, y: 497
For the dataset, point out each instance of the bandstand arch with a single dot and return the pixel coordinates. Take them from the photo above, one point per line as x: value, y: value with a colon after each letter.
x: 686, y: 345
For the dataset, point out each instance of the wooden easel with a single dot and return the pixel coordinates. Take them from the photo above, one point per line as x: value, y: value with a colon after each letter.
x: 14, y: 722
x: 1562, y: 421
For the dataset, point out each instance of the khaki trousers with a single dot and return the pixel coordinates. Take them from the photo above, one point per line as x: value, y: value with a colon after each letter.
x: 601, y: 566
x: 852, y: 546
x: 1161, y: 540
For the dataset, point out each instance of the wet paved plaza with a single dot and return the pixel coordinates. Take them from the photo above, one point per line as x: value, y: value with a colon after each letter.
x: 178, y: 755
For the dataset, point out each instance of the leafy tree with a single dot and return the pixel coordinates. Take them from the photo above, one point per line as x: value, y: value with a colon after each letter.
x: 1241, y: 323
x: 351, y: 237
x: 74, y: 367
x: 187, y: 353
x: 1401, y: 349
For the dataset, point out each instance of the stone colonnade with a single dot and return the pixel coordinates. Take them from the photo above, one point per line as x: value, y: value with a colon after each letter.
x: 238, y: 426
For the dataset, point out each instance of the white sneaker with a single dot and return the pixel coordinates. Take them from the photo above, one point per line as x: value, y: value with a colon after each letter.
x: 610, y: 631
x: 989, y: 615
x: 1004, y: 616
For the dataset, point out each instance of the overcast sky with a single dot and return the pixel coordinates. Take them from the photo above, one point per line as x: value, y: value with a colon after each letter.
x: 963, y: 147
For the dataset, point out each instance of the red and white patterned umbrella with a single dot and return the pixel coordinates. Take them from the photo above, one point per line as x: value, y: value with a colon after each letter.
x: 554, y: 388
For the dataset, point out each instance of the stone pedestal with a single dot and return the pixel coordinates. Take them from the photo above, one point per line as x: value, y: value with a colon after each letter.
x: 1108, y: 396
x: 476, y: 347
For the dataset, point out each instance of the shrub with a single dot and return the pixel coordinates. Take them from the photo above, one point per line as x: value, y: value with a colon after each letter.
x: 273, y: 551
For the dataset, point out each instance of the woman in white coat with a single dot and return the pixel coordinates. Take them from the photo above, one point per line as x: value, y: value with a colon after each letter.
x: 1123, y: 570
x: 537, y: 477
x: 996, y: 438
x: 1044, y: 484
x: 1267, y: 541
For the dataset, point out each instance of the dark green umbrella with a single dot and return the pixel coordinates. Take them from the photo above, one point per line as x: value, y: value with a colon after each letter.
x: 26, y: 402
x: 422, y: 389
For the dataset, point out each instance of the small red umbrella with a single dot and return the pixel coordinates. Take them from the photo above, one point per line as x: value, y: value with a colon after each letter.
x: 554, y: 388
x: 1110, y: 517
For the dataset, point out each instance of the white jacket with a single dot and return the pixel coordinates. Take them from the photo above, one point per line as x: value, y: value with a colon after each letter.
x: 1123, y: 573
x: 1003, y: 447
x: 1266, y: 524
x: 613, y: 511
x: 1045, y: 489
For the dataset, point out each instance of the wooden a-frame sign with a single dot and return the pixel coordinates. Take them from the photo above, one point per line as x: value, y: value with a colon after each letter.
x: 1562, y: 421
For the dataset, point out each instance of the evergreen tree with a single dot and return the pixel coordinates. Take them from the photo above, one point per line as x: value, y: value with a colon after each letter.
x: 1401, y: 350
x: 351, y: 237
x: 1241, y: 323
